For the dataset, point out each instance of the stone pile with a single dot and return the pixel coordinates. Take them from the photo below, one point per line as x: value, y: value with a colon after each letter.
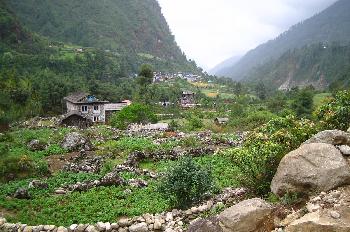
x: 137, y: 156
x: 110, y: 179
x: 328, y: 211
x: 83, y: 163
x: 39, y: 122
x: 173, y: 221
x: 75, y: 141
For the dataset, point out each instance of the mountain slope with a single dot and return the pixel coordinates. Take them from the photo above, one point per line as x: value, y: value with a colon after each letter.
x: 134, y: 28
x: 319, y: 65
x: 333, y: 24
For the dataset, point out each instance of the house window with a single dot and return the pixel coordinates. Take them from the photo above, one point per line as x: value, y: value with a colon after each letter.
x: 84, y: 109
x: 95, y: 119
x: 96, y: 108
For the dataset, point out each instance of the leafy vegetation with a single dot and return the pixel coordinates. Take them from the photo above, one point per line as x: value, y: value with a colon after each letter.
x: 186, y: 183
x: 135, y: 113
x: 335, y: 113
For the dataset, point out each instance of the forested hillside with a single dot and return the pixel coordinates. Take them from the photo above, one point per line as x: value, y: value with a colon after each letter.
x: 36, y: 73
x: 320, y: 65
x: 333, y: 24
x: 133, y: 29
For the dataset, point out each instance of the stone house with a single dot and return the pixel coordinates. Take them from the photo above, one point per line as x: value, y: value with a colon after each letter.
x: 84, y: 110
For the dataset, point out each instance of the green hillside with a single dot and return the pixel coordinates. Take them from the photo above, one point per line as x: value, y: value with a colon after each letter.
x: 320, y: 65
x: 133, y: 29
x: 331, y: 25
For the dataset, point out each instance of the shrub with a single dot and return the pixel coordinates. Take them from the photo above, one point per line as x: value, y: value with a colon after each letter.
x: 135, y: 113
x: 259, y: 158
x: 186, y: 183
x: 336, y: 112
x: 195, y: 123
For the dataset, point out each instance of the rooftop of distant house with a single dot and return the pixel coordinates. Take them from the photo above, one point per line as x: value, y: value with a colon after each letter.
x: 82, y: 98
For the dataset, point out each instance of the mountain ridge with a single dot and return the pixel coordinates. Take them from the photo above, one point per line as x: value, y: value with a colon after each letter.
x: 332, y: 24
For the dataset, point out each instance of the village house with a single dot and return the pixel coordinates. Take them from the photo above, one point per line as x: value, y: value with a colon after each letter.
x: 84, y: 110
x: 188, y: 99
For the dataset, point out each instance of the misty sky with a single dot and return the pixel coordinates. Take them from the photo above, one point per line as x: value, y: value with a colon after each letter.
x: 210, y: 31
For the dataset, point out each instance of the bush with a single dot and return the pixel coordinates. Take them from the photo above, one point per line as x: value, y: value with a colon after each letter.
x: 259, y: 158
x: 336, y: 112
x: 186, y: 183
x: 135, y: 113
x: 195, y: 123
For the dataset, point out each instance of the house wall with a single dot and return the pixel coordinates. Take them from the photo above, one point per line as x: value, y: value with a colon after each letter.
x: 71, y: 107
x: 90, y: 113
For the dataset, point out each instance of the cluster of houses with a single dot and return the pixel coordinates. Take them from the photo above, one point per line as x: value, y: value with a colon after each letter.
x: 84, y: 110
x: 163, y: 77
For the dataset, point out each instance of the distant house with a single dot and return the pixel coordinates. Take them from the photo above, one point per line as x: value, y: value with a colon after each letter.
x: 188, y: 99
x: 221, y: 121
x: 83, y: 110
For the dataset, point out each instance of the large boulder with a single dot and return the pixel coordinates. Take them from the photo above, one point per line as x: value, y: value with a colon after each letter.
x: 205, y: 225
x: 75, y: 142
x: 323, y: 220
x: 311, y: 167
x: 334, y: 137
x: 247, y: 216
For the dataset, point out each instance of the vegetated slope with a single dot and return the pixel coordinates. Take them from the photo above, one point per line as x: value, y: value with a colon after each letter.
x: 333, y: 24
x: 135, y: 29
x: 319, y: 65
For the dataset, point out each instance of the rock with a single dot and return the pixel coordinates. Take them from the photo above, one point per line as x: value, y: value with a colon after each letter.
x: 36, y: 145
x: 2, y: 221
x: 38, y: 184
x: 157, y: 224
x: 30, y: 229
x: 312, y: 207
x: 124, y: 222
x: 344, y: 149
x: 311, y: 167
x: 81, y: 228
x: 100, y: 226
x: 205, y: 225
x: 75, y: 142
x: 22, y: 193
x: 62, y: 229
x: 73, y: 227
x: 114, y: 226
x: 247, y: 216
x: 321, y: 221
x: 122, y: 230
x: 333, y: 137
x: 140, y: 227
x: 334, y: 214
x: 60, y: 191
x: 91, y: 228
x: 49, y: 227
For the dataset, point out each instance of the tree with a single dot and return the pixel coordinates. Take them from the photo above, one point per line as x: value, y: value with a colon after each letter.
x: 145, y: 76
x: 303, y: 103
x: 135, y: 113
x: 261, y: 91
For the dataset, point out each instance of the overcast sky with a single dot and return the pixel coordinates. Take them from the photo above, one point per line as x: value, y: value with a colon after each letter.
x: 210, y: 31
